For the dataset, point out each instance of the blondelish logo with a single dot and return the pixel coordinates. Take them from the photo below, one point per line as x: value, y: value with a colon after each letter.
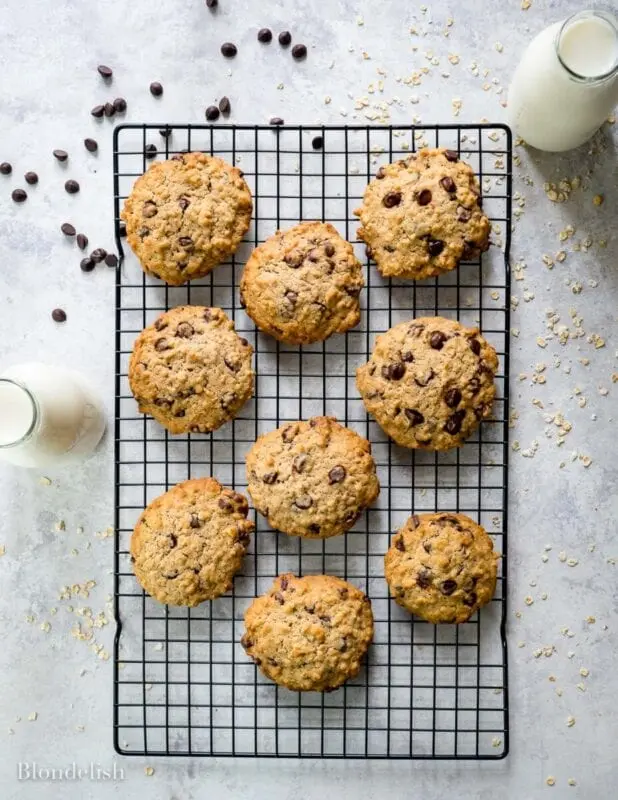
x: 31, y: 771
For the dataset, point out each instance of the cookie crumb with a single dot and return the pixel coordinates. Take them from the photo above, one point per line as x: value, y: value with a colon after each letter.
x: 33, y: 716
x: 149, y: 771
x: 570, y: 721
x: 550, y: 780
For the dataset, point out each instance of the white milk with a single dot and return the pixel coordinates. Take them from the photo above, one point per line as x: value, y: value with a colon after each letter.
x: 566, y: 83
x: 49, y: 416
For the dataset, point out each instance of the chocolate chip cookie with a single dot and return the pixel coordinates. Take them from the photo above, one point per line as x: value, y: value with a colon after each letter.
x: 441, y: 567
x: 310, y: 633
x: 429, y: 382
x: 190, y: 542
x: 421, y: 216
x: 302, y: 285
x: 186, y: 215
x: 190, y: 370
x: 313, y: 478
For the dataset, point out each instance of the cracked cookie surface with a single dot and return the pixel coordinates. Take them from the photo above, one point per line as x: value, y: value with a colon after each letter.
x: 187, y: 215
x: 310, y: 633
x: 190, y: 542
x: 421, y: 216
x: 429, y: 382
x: 303, y: 284
x: 312, y: 478
x: 190, y: 370
x: 441, y: 567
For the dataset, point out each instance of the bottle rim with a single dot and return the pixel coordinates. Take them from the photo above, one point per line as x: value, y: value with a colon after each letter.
x: 607, y: 17
x: 35, y: 414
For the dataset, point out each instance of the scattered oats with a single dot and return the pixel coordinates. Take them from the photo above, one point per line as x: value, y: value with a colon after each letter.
x: 518, y: 614
x: 603, y: 391
x: 576, y: 287
x: 547, y: 548
x: 570, y: 721
x: 456, y: 104
x: 586, y: 460
x: 595, y: 339
x: 498, y: 46
x: 149, y: 771
x: 496, y: 741
x: 60, y: 526
x: 495, y: 295
x: 453, y: 58
x: 559, y: 691
x: 571, y: 781
x: 528, y: 600
x: 572, y: 562
x: 548, y: 260
x: 561, y: 255
x: 45, y: 627
x: 550, y: 780
x: 562, y: 556
x: 584, y: 672
x: 515, y: 446
x: 158, y: 646
x: 2, y: 550
x: 327, y: 99
x: 543, y: 595
x: 80, y: 728
x: 280, y: 86
x: 541, y: 342
x: 515, y: 332
x: 32, y: 717
x: 552, y: 678
x: 10, y: 731
x: 528, y: 295
x: 29, y: 618
x: 74, y: 552
x: 591, y: 620
x: 598, y: 199
x: 45, y: 481
x: 360, y: 21
x: 521, y: 644
x: 545, y: 558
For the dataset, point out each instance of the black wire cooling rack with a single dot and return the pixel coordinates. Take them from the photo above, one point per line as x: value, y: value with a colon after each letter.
x: 182, y: 683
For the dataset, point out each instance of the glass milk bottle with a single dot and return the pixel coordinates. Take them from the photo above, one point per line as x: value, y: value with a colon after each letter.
x: 49, y: 416
x: 566, y: 83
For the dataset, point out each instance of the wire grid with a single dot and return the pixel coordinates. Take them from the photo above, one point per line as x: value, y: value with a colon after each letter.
x: 183, y: 685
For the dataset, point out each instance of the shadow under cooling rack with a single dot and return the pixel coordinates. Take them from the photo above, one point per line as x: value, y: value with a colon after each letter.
x: 182, y: 683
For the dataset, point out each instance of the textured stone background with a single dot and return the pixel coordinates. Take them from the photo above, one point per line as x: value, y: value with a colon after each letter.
x: 48, y: 57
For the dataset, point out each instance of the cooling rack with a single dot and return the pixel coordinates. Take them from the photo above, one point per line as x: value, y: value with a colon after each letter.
x: 182, y: 683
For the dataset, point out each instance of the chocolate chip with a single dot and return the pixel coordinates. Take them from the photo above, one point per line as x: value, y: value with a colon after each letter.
x: 448, y: 587
x: 415, y: 329
x: 424, y: 379
x: 452, y: 398
x: 399, y: 544
x: 343, y: 646
x: 173, y: 540
x: 475, y: 346
x: 407, y: 356
x: 161, y: 345
x: 71, y: 186
x: 149, y: 209
x: 437, y: 339
x: 104, y: 72
x: 212, y: 3
x: 294, y: 259
x: 414, y: 521
x: 184, y: 203
x: 380, y: 173
x: 435, y: 246
x: 415, y: 417
x: 313, y: 528
x: 317, y: 142
x: 18, y: 195
x: 228, y: 49
x: 285, y: 38
x: 122, y: 230
x: 98, y: 111
x: 109, y: 109
x: 150, y: 151
x: 31, y: 178
x: 82, y: 241
x: 299, y: 463
x: 265, y: 35
x: 470, y: 599
x: 423, y: 579
x: 329, y: 249
x: 111, y: 260
x: 453, y: 423
x: 224, y: 504
x: 224, y: 105
x: 393, y: 372
x: 156, y: 90
x: 351, y: 517
x: 58, y: 315
x: 5, y: 168
x: 245, y: 641
x: 289, y: 432
x: 448, y: 184
x: 283, y: 583
x: 427, y: 546
x: 165, y: 133
x: 269, y: 477
x: 195, y: 521
x: 325, y: 618
x: 91, y: 145
x: 474, y: 385
x: 391, y: 199
x: 67, y: 229
x: 299, y: 51
x: 279, y: 598
x: 212, y: 113
x: 276, y: 121
x: 451, y: 155
x: 120, y: 105
x: 186, y: 242
x: 86, y: 265
x: 98, y: 255
x: 463, y: 215
x: 303, y: 501
x: 424, y: 197
x: 337, y: 474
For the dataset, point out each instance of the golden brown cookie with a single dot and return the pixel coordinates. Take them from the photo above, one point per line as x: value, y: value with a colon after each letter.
x: 441, y: 567
x: 186, y: 215
x: 302, y: 285
x: 190, y: 370
x: 310, y: 633
x: 313, y: 478
x: 421, y: 216
x: 429, y: 382
x: 190, y: 542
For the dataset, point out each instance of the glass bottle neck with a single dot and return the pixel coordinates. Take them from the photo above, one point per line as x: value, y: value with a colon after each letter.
x: 19, y: 413
x: 587, y: 46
